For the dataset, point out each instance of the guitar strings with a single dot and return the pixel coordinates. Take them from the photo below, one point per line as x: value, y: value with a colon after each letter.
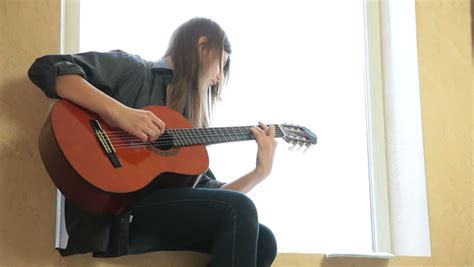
x: 187, y: 133
x: 233, y: 128
x: 199, y: 131
x: 133, y: 141
x: 123, y: 140
x: 167, y: 139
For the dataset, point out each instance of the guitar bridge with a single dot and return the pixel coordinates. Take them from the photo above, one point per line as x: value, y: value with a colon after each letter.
x: 106, y: 143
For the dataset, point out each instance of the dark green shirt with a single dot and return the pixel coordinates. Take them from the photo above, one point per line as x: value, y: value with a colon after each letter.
x: 136, y: 83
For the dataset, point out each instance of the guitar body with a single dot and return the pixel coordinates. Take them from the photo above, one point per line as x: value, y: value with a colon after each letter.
x: 82, y: 171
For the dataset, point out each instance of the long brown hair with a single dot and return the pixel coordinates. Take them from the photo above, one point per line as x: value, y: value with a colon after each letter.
x: 186, y: 96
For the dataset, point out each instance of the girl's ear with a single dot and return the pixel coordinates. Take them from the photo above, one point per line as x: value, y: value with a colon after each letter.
x: 202, y: 43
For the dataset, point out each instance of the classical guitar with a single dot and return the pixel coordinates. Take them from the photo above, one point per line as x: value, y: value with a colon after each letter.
x: 105, y: 170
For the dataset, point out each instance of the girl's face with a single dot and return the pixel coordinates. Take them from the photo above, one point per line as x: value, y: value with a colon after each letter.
x: 211, y: 67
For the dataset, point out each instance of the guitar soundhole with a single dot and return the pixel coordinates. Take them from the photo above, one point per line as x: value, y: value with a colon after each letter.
x: 165, y: 142
x: 164, y: 145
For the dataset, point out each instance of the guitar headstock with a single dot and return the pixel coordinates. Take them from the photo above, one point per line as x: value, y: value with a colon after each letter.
x: 298, y: 135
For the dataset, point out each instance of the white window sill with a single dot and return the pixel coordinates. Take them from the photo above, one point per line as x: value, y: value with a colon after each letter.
x: 369, y: 255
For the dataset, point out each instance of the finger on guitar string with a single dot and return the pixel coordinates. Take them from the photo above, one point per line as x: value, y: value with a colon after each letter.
x: 158, y: 123
x: 268, y: 129
x: 150, y: 134
x: 257, y: 132
x: 154, y: 131
x: 142, y: 134
x: 262, y: 125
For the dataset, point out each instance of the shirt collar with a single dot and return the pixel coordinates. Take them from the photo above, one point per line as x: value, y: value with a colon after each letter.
x: 161, y: 65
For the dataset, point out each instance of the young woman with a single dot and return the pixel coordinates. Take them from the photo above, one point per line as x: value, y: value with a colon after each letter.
x: 213, y: 217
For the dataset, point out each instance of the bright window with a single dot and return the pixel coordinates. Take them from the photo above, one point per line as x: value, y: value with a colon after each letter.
x: 299, y: 62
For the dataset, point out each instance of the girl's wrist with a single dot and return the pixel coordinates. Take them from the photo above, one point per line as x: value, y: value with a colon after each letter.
x: 110, y: 108
x: 260, y: 173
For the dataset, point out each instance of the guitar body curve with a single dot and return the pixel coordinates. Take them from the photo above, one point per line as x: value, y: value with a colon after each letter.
x: 82, y: 171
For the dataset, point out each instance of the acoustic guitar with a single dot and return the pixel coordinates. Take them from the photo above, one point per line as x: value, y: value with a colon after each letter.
x: 105, y: 170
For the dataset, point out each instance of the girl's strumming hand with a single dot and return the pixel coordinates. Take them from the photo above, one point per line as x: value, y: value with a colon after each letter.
x: 140, y: 123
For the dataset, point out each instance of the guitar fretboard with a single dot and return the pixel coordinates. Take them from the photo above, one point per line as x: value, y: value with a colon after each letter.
x: 209, y: 136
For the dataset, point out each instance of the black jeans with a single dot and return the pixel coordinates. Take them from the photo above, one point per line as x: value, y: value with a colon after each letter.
x: 220, y: 222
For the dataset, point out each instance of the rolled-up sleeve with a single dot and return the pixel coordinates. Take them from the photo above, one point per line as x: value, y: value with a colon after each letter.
x: 102, y: 69
x: 208, y: 180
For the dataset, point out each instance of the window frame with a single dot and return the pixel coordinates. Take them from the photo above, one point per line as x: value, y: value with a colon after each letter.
x: 378, y: 182
x: 378, y: 174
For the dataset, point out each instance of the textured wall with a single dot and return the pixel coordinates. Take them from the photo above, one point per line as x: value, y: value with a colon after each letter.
x: 446, y: 93
x: 27, y: 29
x: 30, y: 28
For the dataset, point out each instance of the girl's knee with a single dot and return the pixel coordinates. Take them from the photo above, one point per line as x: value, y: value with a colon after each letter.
x: 243, y: 205
x: 267, y: 247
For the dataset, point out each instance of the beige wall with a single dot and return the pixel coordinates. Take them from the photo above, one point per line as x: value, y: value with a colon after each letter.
x: 30, y: 28
x: 26, y: 197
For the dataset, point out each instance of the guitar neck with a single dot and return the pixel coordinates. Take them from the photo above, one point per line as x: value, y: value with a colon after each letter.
x: 209, y: 136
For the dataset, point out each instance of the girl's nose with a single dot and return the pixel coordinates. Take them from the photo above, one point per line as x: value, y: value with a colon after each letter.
x: 215, y: 80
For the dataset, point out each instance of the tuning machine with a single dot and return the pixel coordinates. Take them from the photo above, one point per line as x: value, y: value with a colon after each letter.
x: 292, y: 146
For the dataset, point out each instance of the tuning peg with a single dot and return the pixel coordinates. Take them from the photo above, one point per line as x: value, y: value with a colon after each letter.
x: 307, y: 146
x: 292, y: 147
x: 300, y: 145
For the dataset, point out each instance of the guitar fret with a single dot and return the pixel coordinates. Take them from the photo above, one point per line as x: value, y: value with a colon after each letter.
x: 212, y: 135
x: 195, y: 135
x: 228, y: 134
x: 206, y: 138
x: 219, y: 136
x: 187, y: 136
x: 202, y: 136
x: 242, y: 133
x: 192, y: 136
x: 177, y: 139
x: 222, y: 137
x: 184, y: 140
